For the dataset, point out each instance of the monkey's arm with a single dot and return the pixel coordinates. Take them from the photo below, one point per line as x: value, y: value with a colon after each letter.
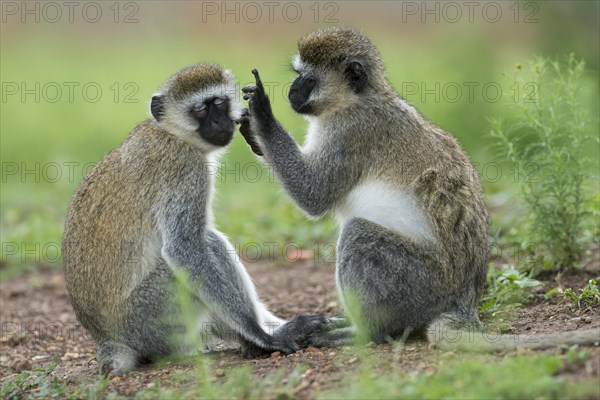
x: 315, y: 181
x: 210, y: 266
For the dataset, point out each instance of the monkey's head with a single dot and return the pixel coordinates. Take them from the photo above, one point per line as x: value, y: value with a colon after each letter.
x: 336, y: 67
x: 199, y: 105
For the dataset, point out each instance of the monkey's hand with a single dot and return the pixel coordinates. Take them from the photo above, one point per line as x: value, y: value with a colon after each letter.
x: 300, y: 327
x: 259, y: 105
x: 248, y: 134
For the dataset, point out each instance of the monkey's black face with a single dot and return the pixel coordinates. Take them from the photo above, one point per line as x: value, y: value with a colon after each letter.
x: 299, y: 94
x: 215, y: 124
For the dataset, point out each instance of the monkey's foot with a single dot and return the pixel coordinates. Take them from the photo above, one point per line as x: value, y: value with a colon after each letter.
x: 115, y: 358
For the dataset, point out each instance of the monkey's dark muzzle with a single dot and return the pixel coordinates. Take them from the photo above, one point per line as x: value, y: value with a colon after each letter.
x: 300, y: 93
x: 218, y: 133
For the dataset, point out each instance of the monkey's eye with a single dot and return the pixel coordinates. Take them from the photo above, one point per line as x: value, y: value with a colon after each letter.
x: 220, y: 102
x: 200, y: 110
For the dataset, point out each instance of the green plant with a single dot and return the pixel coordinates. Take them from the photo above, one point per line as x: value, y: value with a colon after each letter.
x: 507, y: 288
x: 546, y: 137
x: 38, y: 383
x: 588, y: 296
x: 517, y: 377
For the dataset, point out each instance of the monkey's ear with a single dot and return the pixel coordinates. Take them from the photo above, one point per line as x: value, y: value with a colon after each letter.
x: 357, y: 76
x: 157, y: 107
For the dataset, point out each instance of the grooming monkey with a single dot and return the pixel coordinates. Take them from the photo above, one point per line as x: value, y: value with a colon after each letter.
x: 414, y: 244
x: 143, y: 213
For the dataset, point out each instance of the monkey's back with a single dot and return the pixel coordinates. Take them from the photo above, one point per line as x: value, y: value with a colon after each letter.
x: 431, y: 163
x: 450, y: 190
x: 111, y: 242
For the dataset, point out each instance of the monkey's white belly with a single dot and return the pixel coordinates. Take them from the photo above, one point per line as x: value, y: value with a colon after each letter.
x: 393, y: 209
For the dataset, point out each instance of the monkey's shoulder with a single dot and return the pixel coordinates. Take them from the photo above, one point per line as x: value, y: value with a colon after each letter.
x: 151, y: 148
x: 150, y: 157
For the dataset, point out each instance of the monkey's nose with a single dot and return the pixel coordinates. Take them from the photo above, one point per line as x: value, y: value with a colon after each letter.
x: 221, y: 125
x: 292, y: 95
x: 218, y: 124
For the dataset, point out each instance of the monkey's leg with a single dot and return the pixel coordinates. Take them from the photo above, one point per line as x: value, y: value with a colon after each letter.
x: 388, y: 283
x: 147, y: 326
x: 155, y: 323
x: 115, y: 358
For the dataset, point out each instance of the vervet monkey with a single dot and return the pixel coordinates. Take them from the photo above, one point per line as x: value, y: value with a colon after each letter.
x: 143, y: 213
x: 414, y: 237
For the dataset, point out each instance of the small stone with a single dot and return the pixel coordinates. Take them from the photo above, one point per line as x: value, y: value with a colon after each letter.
x: 587, y: 320
x: 276, y: 354
x: 328, y: 368
x: 151, y: 385
x: 307, y: 373
x: 57, y: 280
x: 352, y: 360
x: 70, y: 356
x: 220, y: 372
x: 331, y: 353
x: 15, y: 339
x: 21, y: 365
x: 115, y: 379
x: 332, y: 305
x: 302, y: 386
x: 570, y: 326
x: 371, y: 345
x: 39, y: 358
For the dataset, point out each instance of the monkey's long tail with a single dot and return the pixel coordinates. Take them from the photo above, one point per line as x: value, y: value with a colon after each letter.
x: 445, y: 334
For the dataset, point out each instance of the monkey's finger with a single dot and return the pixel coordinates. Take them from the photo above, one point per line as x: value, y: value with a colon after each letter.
x: 259, y: 84
x: 290, y: 347
x: 256, y: 75
x: 249, y: 88
x: 256, y: 150
x: 244, y: 117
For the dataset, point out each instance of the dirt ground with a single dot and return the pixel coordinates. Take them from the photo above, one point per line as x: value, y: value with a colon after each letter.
x: 38, y: 323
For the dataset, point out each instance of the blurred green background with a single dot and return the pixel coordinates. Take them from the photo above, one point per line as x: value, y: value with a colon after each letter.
x: 76, y: 79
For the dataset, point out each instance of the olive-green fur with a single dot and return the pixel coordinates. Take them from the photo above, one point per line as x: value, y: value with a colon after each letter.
x: 332, y: 47
x: 192, y: 79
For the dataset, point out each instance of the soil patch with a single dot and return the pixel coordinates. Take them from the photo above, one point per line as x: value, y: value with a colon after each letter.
x: 38, y: 323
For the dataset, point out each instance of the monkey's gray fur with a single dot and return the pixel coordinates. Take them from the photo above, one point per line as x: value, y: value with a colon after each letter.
x: 414, y: 243
x: 143, y: 213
